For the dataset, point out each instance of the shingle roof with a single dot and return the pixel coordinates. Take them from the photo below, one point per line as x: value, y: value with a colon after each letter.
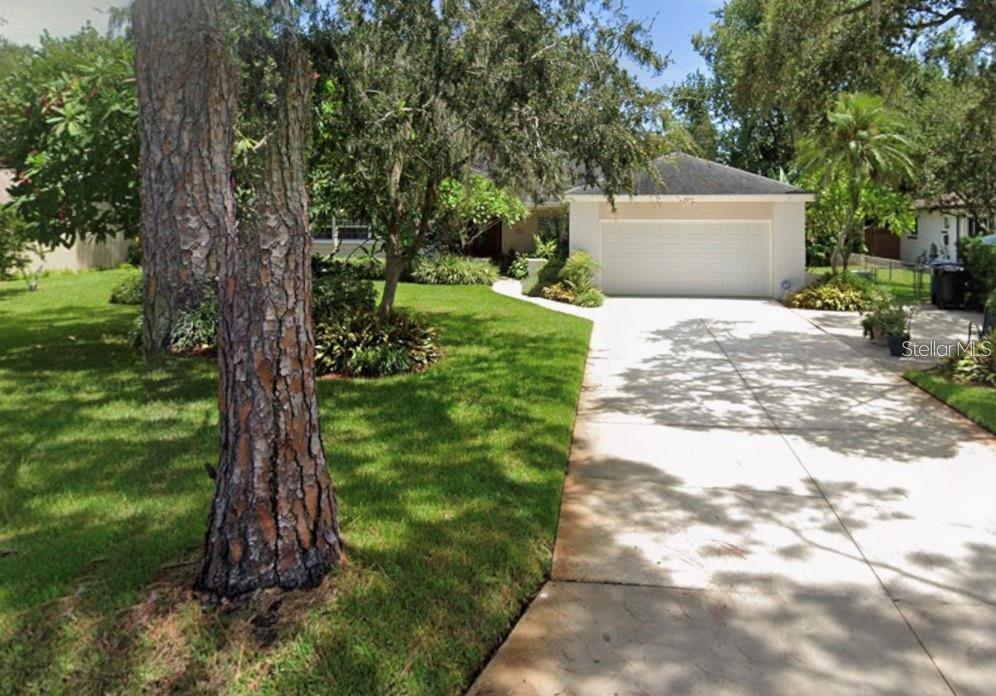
x: 947, y: 201
x: 684, y: 175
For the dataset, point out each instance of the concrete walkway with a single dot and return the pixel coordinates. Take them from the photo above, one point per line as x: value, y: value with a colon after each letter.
x: 753, y: 506
x: 934, y: 334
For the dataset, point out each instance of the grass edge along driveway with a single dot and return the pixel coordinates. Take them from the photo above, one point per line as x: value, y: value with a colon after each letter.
x: 978, y: 403
x: 449, y: 482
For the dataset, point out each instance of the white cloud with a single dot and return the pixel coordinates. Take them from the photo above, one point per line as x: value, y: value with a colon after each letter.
x: 25, y: 20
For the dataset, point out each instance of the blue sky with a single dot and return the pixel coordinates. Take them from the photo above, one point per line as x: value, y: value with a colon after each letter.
x: 674, y: 23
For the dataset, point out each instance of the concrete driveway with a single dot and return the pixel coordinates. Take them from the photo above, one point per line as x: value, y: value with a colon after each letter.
x: 753, y: 506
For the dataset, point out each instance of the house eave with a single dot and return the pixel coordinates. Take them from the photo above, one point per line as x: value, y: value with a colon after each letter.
x: 801, y: 197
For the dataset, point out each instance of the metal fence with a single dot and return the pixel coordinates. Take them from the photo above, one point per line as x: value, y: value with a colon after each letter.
x: 894, y: 272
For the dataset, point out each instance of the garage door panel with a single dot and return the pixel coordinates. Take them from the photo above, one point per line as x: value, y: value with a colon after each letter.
x: 686, y: 258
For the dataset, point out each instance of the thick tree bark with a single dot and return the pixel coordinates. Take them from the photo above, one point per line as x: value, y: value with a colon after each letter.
x: 274, y: 519
x: 186, y: 88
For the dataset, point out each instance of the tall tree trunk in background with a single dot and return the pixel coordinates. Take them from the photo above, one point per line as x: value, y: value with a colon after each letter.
x: 186, y: 87
x: 274, y: 520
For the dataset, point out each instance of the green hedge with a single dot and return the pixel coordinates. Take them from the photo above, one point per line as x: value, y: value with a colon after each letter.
x: 128, y: 291
x: 980, y: 261
x: 450, y: 269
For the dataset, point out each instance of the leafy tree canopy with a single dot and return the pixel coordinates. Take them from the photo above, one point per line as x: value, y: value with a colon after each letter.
x: 478, y: 201
x: 68, y: 127
x: 533, y: 93
x: 777, y: 67
x: 859, y: 160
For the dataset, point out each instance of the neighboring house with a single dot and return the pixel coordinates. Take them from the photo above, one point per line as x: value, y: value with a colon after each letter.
x: 82, y: 255
x: 348, y: 236
x: 940, y: 223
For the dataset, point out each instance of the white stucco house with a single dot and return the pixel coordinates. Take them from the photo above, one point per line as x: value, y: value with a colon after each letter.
x: 940, y: 224
x: 698, y: 228
x: 82, y: 255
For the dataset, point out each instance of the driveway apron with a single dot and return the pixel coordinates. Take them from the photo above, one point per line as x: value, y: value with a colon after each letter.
x: 753, y: 506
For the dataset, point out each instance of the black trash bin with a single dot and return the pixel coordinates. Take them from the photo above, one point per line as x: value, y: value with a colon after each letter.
x: 947, y: 285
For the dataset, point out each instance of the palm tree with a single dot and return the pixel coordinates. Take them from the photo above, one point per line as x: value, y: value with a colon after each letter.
x: 862, y: 145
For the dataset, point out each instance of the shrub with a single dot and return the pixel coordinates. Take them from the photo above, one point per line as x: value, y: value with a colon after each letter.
x: 518, y: 266
x: 544, y: 249
x: 558, y: 292
x: 974, y: 364
x: 578, y: 272
x: 128, y: 291
x: 196, y: 330
x: 836, y: 293
x: 980, y: 261
x: 14, y: 243
x: 570, y: 280
x: 366, y: 266
x: 366, y: 345
x: 135, y: 332
x: 134, y: 252
x: 343, y: 290
x: 592, y: 297
x: 548, y: 275
x: 450, y: 269
x: 350, y: 338
x: 379, y: 361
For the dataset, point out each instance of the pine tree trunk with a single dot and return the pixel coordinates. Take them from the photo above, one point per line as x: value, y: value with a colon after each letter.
x: 186, y: 92
x: 274, y: 519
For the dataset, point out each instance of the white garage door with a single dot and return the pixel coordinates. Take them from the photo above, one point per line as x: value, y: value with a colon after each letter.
x: 679, y: 257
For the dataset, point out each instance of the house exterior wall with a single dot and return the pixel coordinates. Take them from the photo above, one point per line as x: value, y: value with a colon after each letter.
x: 519, y: 237
x: 84, y: 255
x: 81, y: 256
x: 586, y: 232
x: 788, y: 228
x: 788, y: 247
x: 626, y: 210
x: 933, y: 227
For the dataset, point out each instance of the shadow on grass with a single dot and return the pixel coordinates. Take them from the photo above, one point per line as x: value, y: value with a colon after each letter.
x: 449, y: 484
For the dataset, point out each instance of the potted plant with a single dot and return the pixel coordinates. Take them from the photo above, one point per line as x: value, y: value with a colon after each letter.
x: 873, y: 321
x: 873, y: 328
x: 896, y: 322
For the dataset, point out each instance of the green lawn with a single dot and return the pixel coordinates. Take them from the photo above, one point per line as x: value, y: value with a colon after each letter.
x: 900, y: 281
x: 449, y: 484
x: 976, y: 402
